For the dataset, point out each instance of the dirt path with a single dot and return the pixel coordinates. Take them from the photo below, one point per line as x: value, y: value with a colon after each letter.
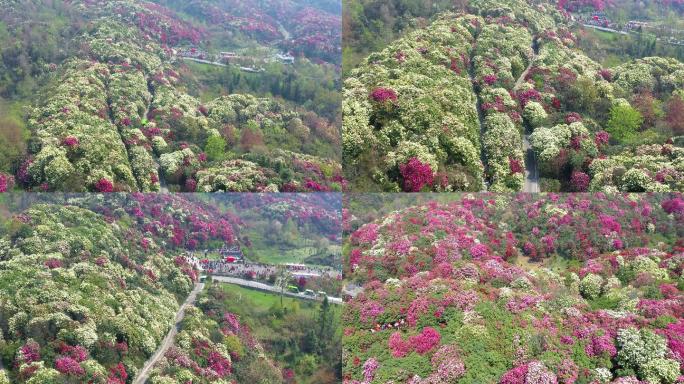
x: 269, y: 288
x: 144, y: 373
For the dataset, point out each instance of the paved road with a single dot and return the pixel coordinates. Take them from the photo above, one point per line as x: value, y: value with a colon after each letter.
x: 531, y: 171
x: 269, y: 288
x: 204, y: 61
x: 144, y: 373
x: 605, y: 29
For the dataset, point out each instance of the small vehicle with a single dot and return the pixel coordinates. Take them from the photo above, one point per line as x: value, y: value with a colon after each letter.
x: 322, y: 294
x: 293, y: 288
x: 309, y: 292
x: 202, y: 279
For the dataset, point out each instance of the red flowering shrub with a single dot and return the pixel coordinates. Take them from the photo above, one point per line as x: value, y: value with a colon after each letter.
x: 398, y: 345
x: 29, y: 352
x: 78, y: 352
x: 515, y: 165
x: 104, y: 186
x: 70, y: 141
x: 515, y: 376
x: 426, y: 340
x: 53, y: 263
x: 383, y: 95
x: 573, y: 117
x: 415, y: 175
x: 6, y: 182
x: 606, y: 74
x: 528, y: 95
x: 601, y: 138
x: 218, y: 364
x: 117, y: 375
x: 490, y: 79
x: 190, y: 185
x: 580, y: 181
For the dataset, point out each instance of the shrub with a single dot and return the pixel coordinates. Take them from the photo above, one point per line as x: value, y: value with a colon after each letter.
x: 624, y: 122
x: 416, y: 175
x: 215, y: 148
x: 590, y: 286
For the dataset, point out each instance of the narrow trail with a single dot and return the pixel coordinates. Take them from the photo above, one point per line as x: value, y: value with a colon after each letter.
x: 531, y: 167
x: 144, y: 373
x: 205, y: 61
x: 270, y: 288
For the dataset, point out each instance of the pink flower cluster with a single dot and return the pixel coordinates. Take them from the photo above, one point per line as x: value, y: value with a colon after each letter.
x: 580, y: 181
x: 490, y: 79
x: 601, y: 138
x: 6, y: 182
x: 70, y: 141
x: 383, y: 95
x: 675, y: 205
x: 69, y: 366
x: 600, y: 345
x: 29, y: 352
x: 369, y: 368
x: 426, y: 340
x: 422, y: 343
x: 515, y: 165
x: 415, y: 175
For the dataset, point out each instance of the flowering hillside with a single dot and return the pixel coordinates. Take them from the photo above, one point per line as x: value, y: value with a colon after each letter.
x: 548, y: 116
x: 90, y: 284
x: 518, y: 289
x: 302, y: 27
x: 118, y: 116
x: 391, y: 139
x: 88, y: 293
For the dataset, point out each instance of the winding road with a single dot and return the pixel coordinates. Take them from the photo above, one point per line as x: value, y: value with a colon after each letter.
x: 269, y: 288
x: 144, y: 373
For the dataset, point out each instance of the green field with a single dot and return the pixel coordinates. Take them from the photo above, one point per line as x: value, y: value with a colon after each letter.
x: 287, y: 333
x: 264, y: 301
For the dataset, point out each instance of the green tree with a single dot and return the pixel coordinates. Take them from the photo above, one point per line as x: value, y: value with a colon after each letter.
x: 624, y: 122
x: 215, y: 147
